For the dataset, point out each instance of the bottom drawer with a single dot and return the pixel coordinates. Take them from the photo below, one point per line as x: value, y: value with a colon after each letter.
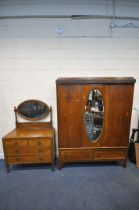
x: 109, y: 154
x: 76, y: 155
x: 68, y: 155
x: 28, y: 159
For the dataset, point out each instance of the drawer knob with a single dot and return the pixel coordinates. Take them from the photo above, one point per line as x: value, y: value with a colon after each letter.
x: 17, y: 159
x: 16, y: 151
x: 39, y: 143
x: 40, y: 150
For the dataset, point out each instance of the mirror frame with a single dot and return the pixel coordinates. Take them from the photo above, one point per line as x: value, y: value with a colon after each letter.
x: 18, y: 110
x: 88, y: 109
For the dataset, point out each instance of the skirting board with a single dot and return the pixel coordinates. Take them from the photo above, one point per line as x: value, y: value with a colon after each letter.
x: 1, y: 155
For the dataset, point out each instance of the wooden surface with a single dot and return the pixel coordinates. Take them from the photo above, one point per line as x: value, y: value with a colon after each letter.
x: 95, y: 80
x: 30, y: 133
x: 28, y: 144
x: 73, y: 143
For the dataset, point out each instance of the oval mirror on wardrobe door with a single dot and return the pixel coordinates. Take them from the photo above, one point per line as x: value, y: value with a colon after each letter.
x: 94, y: 115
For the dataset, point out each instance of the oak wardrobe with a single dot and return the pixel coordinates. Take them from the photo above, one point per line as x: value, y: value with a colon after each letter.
x: 94, y: 118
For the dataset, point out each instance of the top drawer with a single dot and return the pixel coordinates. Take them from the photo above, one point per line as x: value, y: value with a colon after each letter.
x: 26, y: 146
x: 15, y: 146
x: 39, y: 145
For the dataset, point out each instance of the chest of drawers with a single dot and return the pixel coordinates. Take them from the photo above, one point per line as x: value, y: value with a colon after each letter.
x: 26, y: 146
x: 32, y: 141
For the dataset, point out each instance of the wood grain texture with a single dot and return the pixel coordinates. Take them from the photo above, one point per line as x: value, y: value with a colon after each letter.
x: 95, y: 80
x: 73, y: 142
x: 29, y: 146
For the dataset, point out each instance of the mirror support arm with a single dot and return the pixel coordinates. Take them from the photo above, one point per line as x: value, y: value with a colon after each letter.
x: 16, y: 120
x: 51, y: 115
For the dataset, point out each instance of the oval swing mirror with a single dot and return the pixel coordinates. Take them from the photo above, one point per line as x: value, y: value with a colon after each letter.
x: 33, y: 109
x: 94, y: 115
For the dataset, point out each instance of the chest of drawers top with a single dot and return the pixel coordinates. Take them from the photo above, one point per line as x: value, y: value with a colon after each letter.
x: 29, y: 133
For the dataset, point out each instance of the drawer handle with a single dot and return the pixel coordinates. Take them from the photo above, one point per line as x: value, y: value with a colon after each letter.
x: 66, y: 155
x: 40, y: 150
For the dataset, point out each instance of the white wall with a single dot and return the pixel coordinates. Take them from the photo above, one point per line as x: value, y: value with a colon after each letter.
x: 33, y: 55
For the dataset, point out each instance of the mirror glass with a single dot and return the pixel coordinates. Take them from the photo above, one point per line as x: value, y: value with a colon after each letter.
x: 94, y: 115
x: 33, y: 109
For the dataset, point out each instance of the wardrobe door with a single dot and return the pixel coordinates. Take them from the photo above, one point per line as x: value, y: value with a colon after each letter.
x: 69, y: 115
x: 119, y: 114
x: 94, y: 115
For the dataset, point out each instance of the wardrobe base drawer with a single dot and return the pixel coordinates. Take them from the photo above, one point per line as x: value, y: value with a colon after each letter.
x: 76, y: 155
x: 93, y: 154
x: 109, y: 154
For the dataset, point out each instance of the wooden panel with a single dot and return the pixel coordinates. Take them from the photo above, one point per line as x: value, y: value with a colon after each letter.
x: 16, y: 146
x: 95, y: 80
x: 19, y: 159
x: 27, y: 146
x: 29, y: 125
x: 92, y: 154
x: 109, y: 155
x: 39, y: 143
x: 39, y: 146
x: 119, y: 114
x: 76, y: 155
x: 69, y: 115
